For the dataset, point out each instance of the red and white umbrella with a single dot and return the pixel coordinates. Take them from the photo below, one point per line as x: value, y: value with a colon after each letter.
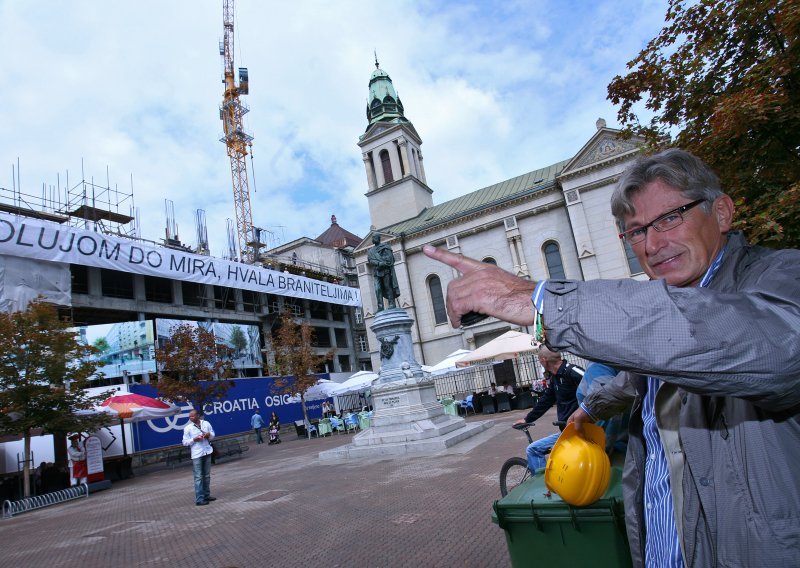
x: 135, y: 408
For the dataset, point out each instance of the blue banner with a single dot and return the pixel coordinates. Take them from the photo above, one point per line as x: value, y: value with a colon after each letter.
x: 230, y: 415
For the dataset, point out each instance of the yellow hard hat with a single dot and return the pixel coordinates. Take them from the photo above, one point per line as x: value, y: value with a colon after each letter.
x: 578, y: 469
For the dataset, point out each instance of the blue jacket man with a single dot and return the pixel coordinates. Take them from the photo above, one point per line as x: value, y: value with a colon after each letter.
x: 257, y: 423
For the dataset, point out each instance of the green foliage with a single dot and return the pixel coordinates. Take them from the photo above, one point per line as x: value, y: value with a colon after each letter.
x: 193, y: 366
x: 238, y: 339
x: 44, y: 369
x: 725, y: 74
x: 101, y: 344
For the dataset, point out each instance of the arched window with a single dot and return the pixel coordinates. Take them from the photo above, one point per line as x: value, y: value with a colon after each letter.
x: 552, y: 256
x: 437, y: 299
x: 489, y: 260
x: 387, y: 166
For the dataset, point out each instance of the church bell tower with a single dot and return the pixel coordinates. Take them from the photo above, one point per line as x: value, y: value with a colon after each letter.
x: 390, y: 148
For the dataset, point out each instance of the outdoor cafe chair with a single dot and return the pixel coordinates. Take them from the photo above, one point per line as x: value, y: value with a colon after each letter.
x: 325, y: 427
x: 466, y: 405
x: 503, y: 402
x: 351, y: 422
x: 450, y: 406
x: 337, y: 424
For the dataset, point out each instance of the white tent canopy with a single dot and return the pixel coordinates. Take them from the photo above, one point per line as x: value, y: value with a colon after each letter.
x: 508, y: 346
x: 359, y: 382
x: 448, y: 363
x: 323, y: 389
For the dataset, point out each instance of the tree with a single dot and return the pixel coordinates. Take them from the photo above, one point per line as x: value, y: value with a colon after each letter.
x: 102, y: 345
x: 238, y: 340
x: 296, y: 359
x: 44, y: 369
x: 726, y: 75
x: 193, y: 367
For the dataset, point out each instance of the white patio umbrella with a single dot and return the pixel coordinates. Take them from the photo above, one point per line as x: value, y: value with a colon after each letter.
x: 508, y: 346
x: 448, y: 363
x: 323, y: 389
x: 358, y: 382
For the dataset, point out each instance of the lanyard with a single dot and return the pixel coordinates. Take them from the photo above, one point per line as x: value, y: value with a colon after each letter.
x: 712, y: 270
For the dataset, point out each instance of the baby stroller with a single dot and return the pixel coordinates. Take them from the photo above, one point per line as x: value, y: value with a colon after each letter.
x: 274, y: 435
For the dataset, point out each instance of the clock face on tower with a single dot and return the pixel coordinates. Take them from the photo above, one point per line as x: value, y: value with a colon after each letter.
x: 379, y: 129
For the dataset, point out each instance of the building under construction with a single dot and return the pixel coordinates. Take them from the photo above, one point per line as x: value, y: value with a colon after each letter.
x: 80, y: 247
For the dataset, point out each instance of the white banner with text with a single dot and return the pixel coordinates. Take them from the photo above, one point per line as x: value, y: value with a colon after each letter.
x: 43, y: 240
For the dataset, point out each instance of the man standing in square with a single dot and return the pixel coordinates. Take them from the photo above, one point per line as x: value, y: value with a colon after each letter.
x: 197, y: 435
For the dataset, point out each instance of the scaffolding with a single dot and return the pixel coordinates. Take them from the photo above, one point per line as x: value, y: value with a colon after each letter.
x: 87, y: 203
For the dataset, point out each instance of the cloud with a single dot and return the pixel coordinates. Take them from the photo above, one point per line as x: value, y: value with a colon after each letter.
x: 495, y: 89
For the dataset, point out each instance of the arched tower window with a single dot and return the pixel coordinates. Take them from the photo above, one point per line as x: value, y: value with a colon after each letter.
x: 437, y: 300
x: 552, y: 256
x: 386, y: 163
x: 489, y: 260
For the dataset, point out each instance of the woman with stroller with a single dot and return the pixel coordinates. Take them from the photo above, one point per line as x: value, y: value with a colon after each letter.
x: 274, y: 429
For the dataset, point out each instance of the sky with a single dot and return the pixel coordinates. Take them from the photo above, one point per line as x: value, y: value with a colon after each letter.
x: 126, y: 94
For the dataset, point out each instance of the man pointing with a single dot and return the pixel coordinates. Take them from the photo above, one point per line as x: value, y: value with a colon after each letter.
x: 711, y: 350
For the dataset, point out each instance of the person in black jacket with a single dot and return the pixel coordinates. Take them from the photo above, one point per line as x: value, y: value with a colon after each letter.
x: 562, y: 382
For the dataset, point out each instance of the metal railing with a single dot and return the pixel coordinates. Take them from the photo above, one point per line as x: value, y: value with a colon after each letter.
x: 11, y: 508
x: 477, y: 378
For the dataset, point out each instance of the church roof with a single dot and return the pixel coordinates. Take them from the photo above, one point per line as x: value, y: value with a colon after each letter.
x: 336, y: 237
x: 492, y: 195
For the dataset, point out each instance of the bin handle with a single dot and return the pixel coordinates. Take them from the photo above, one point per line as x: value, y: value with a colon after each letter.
x: 574, y: 517
x: 536, y: 521
x: 612, y: 507
x: 500, y: 520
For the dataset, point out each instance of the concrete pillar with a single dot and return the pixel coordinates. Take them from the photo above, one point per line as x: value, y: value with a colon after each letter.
x: 370, y: 170
x: 177, y: 293
x: 414, y: 162
x: 422, y: 169
x: 95, y: 283
x: 513, y: 250
x: 404, y: 156
x: 523, y: 263
x: 139, y: 292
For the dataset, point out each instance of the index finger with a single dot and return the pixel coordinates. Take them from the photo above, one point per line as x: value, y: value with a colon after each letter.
x: 462, y: 263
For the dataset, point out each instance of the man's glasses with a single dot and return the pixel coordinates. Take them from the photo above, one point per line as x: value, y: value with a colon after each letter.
x: 666, y: 222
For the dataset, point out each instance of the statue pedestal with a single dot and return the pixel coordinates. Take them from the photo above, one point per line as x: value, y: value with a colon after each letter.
x: 408, y: 418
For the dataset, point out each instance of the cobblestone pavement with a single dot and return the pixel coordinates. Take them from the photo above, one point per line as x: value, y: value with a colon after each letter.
x: 280, y: 506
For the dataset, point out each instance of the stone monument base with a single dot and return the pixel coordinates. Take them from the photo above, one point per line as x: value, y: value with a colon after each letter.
x: 408, y: 420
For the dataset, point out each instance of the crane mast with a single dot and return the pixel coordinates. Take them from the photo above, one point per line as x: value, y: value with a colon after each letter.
x: 236, y: 140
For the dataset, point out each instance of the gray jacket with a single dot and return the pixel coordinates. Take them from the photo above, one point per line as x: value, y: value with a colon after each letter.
x: 729, y: 409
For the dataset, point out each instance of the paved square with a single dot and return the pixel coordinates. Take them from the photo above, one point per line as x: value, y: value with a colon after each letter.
x: 280, y: 506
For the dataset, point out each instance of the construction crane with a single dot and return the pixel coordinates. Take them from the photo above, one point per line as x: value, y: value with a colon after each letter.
x: 236, y: 140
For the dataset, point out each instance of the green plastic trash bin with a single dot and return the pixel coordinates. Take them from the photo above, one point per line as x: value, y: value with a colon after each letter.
x: 546, y: 531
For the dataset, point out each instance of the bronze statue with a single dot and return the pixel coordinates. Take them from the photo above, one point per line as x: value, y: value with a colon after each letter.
x: 381, y: 258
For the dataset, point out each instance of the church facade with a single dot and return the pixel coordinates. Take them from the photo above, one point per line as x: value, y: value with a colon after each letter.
x: 552, y: 222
